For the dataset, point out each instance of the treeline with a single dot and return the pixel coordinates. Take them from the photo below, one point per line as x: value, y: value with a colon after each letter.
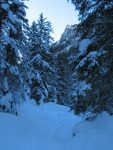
x: 77, y: 71
x: 87, y: 52
x: 26, y: 60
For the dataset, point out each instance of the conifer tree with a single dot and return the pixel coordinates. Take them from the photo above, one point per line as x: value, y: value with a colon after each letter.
x: 12, y: 23
x: 95, y: 61
x: 40, y: 59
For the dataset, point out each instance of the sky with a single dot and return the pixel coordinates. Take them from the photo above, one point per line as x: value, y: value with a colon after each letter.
x: 59, y: 12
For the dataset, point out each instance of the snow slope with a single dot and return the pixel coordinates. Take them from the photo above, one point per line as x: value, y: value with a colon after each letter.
x: 54, y: 127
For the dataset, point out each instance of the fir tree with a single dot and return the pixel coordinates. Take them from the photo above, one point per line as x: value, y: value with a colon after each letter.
x: 97, y: 58
x: 13, y: 20
x: 40, y: 59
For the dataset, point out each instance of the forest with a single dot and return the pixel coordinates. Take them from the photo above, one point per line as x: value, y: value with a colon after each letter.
x: 74, y: 72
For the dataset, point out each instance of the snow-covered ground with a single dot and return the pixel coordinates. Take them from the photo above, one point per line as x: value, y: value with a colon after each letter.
x: 54, y: 127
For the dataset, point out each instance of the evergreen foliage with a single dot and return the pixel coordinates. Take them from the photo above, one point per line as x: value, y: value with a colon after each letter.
x: 76, y: 71
x: 41, y: 60
x: 94, y: 65
x: 12, y: 20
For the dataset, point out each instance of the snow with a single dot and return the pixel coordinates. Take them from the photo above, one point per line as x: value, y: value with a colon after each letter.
x: 5, y: 84
x: 81, y: 88
x: 5, y: 100
x: 91, y: 58
x: 84, y: 45
x: 5, y: 6
x: 11, y: 26
x: 82, y: 50
x: 14, y: 70
x: 53, y: 127
x: 11, y: 16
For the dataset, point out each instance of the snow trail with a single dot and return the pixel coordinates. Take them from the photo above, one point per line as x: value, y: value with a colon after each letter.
x: 51, y: 127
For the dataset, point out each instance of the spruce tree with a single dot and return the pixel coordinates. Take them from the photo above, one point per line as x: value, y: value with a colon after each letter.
x: 40, y: 59
x: 95, y: 63
x: 12, y: 23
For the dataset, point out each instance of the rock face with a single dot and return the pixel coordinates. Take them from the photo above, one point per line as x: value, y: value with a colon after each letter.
x: 63, y: 49
x: 69, y: 37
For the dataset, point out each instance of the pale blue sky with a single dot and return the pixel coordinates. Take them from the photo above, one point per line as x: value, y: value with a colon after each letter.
x: 59, y: 12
